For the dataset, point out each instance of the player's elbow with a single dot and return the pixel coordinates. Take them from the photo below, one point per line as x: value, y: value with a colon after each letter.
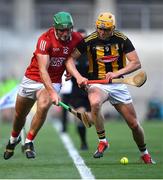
x: 137, y: 64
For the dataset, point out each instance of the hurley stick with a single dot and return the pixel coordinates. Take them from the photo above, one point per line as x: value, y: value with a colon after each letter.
x: 82, y: 116
x: 135, y: 80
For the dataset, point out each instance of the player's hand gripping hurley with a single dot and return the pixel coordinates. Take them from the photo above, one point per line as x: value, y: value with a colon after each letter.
x: 135, y: 80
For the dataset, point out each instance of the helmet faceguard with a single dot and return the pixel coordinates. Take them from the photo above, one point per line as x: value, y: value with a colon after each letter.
x: 105, y: 25
x: 63, y: 24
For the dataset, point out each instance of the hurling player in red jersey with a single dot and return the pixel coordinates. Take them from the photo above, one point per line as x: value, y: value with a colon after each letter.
x: 42, y: 80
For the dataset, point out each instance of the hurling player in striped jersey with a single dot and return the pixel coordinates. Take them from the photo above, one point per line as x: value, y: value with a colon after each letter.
x: 111, y: 55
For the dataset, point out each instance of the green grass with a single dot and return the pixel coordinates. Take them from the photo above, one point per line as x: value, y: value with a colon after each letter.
x: 53, y: 160
x: 122, y: 144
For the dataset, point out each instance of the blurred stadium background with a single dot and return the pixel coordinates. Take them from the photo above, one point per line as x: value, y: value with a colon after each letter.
x: 22, y: 21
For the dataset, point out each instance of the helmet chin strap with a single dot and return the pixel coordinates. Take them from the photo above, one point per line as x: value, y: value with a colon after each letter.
x: 56, y: 35
x: 64, y: 39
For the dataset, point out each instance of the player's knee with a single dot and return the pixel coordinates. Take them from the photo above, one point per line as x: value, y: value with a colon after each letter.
x: 95, y: 106
x: 134, y: 125
x: 44, y: 105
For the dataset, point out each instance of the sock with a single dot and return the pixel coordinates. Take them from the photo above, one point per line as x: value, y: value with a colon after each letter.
x: 64, y: 120
x: 82, y: 133
x: 145, y: 152
x: 103, y: 140
x: 101, y: 136
x: 14, y: 137
x: 143, y: 149
x: 30, y: 137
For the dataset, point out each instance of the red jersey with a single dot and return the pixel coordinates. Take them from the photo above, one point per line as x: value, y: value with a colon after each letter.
x: 48, y: 44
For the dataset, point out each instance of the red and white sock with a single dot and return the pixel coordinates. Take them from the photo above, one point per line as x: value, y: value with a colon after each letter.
x: 14, y: 136
x: 30, y: 137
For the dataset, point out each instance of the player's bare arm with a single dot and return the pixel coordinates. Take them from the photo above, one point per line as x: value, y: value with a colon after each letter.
x: 43, y: 62
x: 133, y: 65
x: 75, y: 54
x: 71, y: 68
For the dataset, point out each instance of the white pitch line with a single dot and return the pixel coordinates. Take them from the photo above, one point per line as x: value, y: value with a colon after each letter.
x: 84, y: 171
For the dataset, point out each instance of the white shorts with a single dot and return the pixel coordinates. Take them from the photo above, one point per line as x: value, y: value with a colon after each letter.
x: 118, y: 93
x: 28, y: 88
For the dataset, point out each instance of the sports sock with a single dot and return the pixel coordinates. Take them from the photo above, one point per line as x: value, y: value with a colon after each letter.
x: 64, y: 120
x: 145, y: 152
x: 82, y: 133
x: 143, y: 149
x: 30, y: 137
x: 101, y: 136
x: 14, y: 137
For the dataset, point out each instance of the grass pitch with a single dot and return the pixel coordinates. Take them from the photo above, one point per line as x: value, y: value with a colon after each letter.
x: 53, y: 161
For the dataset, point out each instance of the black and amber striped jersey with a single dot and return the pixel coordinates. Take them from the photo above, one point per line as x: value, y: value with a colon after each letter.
x: 105, y: 55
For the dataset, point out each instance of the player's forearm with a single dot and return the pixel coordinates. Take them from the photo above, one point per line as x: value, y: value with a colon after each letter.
x: 49, y: 87
x: 71, y: 68
x: 131, y: 67
x: 47, y: 81
x: 43, y: 62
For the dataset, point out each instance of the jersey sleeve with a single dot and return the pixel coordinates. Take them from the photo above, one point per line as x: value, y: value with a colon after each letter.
x: 43, y: 45
x: 82, y: 47
x: 128, y: 46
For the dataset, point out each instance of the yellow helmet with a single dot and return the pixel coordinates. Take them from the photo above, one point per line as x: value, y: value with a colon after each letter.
x: 105, y: 20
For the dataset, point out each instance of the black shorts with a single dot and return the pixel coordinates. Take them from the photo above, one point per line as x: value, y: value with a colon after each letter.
x: 80, y: 101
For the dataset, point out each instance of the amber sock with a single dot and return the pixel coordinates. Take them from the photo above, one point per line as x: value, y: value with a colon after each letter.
x: 101, y: 135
